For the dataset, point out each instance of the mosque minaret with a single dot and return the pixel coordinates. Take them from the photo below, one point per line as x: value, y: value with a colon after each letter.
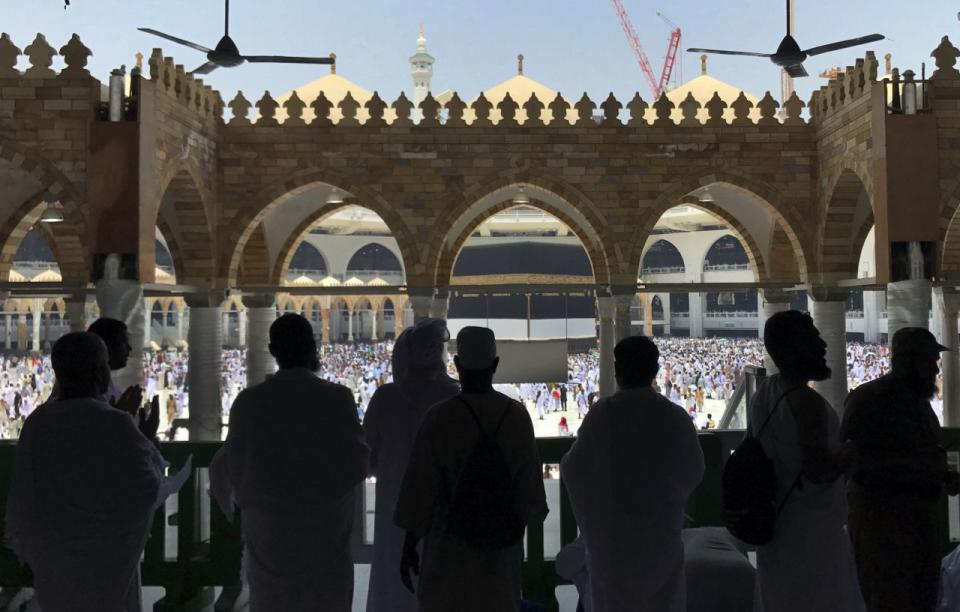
x: 421, y: 69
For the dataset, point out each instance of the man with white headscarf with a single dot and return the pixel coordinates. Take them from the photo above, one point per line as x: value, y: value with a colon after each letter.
x: 635, y: 461
x: 84, y: 487
x: 392, y: 421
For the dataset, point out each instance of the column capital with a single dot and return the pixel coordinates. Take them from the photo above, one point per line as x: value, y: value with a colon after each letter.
x: 776, y: 296
x: 213, y: 298
x: 259, y: 300
x: 623, y: 290
x: 948, y: 299
x: 605, y: 307
x: 828, y: 293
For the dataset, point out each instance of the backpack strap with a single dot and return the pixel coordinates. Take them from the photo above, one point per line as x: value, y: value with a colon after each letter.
x: 780, y: 399
x: 476, y: 419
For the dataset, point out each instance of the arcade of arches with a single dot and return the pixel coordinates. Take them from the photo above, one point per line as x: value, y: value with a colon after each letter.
x: 226, y: 205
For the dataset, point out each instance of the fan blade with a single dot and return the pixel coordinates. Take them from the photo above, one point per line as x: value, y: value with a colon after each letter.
x: 843, y: 44
x: 179, y: 41
x: 796, y: 71
x: 721, y: 52
x: 206, y: 68
x: 285, y: 59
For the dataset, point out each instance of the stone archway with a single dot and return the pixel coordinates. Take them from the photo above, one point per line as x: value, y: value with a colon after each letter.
x: 786, y: 218
x: 30, y: 176
x: 183, y: 217
x: 239, y: 231
x: 840, y: 235
x: 455, y: 235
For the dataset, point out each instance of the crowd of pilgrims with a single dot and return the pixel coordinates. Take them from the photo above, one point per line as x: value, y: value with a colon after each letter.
x: 693, y: 370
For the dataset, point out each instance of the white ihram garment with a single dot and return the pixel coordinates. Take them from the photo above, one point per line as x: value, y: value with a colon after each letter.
x: 294, y: 455
x: 391, y: 425
x: 809, y: 563
x: 83, y: 491
x: 635, y: 462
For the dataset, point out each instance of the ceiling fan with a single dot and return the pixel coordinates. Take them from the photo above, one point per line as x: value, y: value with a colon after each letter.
x: 226, y: 54
x: 790, y: 56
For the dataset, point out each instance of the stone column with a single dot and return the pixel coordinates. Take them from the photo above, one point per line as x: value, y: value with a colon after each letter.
x: 373, y: 322
x: 622, y: 301
x: 77, y: 312
x: 35, y: 327
x: 123, y: 300
x: 871, y: 316
x: 665, y: 300
x: 147, y: 324
x: 441, y: 304
x: 8, y: 332
x: 205, y: 339
x: 907, y: 305
x: 828, y: 307
x: 180, y: 314
x: 350, y: 325
x: 261, y: 313
x: 242, y: 327
x: 773, y: 301
x: 607, y: 382
x: 421, y: 300
x: 696, y: 314
x: 948, y: 304
x: 325, y: 324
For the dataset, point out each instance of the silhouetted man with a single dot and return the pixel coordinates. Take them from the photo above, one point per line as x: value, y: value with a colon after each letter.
x: 808, y: 565
x: 84, y: 487
x: 467, y: 569
x: 635, y: 462
x: 900, y: 472
x: 294, y: 456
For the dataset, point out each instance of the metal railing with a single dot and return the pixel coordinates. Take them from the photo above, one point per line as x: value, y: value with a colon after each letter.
x: 663, y: 270
x: 720, y: 267
x: 734, y: 314
x: 208, y: 546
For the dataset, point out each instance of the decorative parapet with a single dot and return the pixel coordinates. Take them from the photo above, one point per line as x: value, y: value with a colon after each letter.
x: 174, y: 81
x: 529, y: 113
x: 845, y: 90
x: 40, y: 55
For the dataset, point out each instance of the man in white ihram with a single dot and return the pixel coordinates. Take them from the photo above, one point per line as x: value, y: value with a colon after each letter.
x: 294, y: 456
x: 635, y: 461
x: 84, y: 487
x: 457, y: 575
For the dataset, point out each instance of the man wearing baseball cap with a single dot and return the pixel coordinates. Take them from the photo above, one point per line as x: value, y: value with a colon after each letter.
x: 898, y: 475
x: 469, y: 563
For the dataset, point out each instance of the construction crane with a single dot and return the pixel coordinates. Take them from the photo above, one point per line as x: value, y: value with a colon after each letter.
x: 657, y: 87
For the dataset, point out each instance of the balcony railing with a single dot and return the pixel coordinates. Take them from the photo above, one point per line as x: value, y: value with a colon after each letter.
x: 722, y: 267
x: 663, y: 270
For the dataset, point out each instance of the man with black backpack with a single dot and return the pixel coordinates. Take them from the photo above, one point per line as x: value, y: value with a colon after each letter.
x: 794, y: 454
x: 473, y: 483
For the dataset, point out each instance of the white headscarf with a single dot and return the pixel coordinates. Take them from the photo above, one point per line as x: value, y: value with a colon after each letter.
x: 418, y: 358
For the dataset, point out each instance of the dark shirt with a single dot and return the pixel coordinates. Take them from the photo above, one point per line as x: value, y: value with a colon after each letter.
x: 897, y: 438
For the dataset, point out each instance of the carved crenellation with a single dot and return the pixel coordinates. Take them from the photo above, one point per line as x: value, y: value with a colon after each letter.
x: 40, y: 56
x: 175, y: 82
x: 845, y: 90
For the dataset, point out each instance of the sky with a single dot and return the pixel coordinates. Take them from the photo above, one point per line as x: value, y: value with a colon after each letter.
x: 572, y: 46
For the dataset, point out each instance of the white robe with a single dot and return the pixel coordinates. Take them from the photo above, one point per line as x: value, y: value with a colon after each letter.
x: 294, y: 455
x: 391, y: 424
x: 809, y: 563
x: 83, y: 491
x: 455, y: 576
x: 635, y: 462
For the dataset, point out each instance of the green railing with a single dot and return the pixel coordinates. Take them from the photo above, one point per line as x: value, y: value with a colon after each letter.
x: 206, y: 550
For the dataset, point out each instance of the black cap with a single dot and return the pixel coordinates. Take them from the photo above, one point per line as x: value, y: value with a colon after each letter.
x: 915, y: 340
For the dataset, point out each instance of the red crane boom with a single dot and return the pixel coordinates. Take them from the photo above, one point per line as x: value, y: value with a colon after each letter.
x: 656, y: 86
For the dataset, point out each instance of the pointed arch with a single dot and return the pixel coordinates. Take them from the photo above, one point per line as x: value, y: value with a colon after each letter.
x: 183, y: 210
x: 838, y: 232
x: 550, y: 194
x: 239, y: 230
x: 762, y: 193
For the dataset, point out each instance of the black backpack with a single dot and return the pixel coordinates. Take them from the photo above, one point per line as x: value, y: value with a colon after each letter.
x: 483, y: 507
x: 749, y: 485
